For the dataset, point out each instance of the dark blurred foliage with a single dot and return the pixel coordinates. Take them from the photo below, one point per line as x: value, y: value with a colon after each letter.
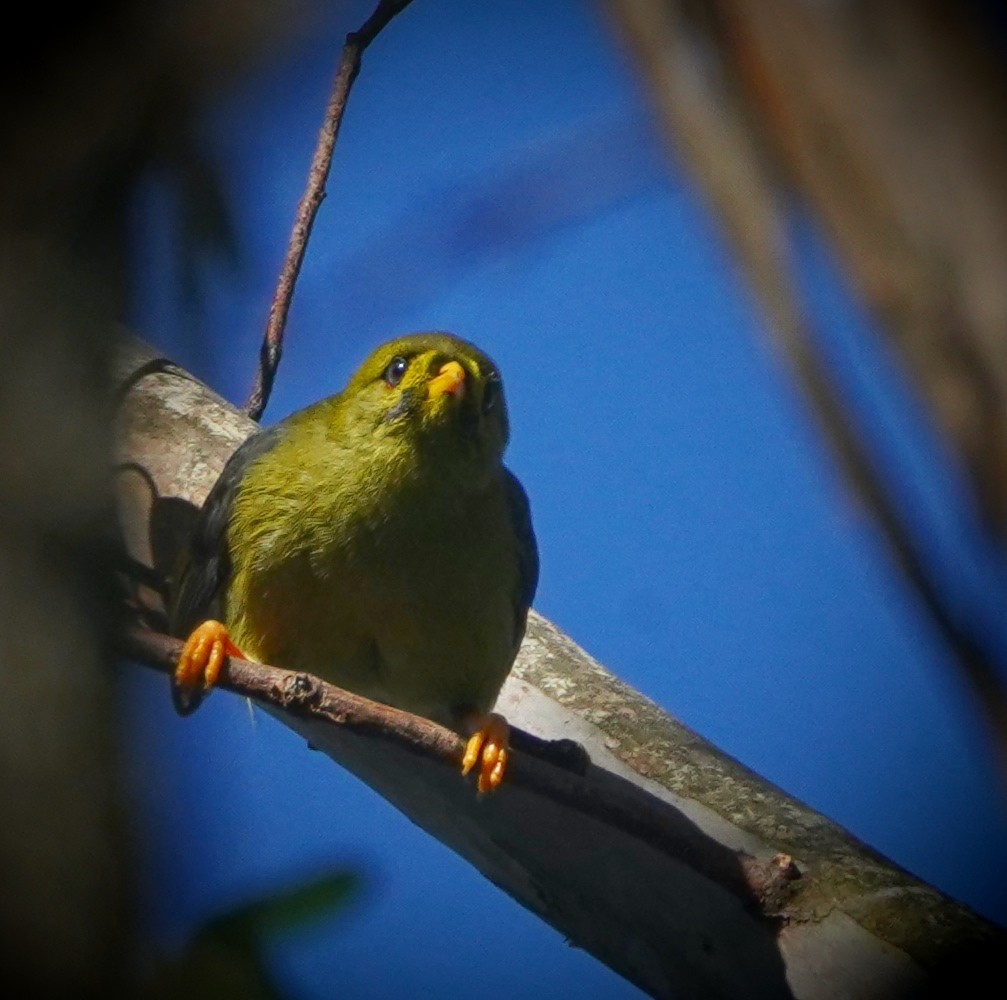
x: 227, y: 956
x: 90, y: 97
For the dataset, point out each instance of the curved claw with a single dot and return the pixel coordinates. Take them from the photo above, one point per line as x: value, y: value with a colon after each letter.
x: 199, y: 664
x: 487, y: 746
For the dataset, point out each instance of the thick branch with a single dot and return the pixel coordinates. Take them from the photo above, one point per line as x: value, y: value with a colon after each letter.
x: 663, y: 857
x: 349, y: 65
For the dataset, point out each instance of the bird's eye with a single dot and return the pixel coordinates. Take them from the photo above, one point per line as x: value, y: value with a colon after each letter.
x: 395, y: 370
x: 491, y: 392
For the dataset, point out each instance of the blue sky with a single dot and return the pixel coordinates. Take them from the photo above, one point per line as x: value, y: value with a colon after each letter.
x: 498, y: 176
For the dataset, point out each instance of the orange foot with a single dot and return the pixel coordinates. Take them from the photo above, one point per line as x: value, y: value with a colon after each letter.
x: 487, y: 746
x: 200, y: 663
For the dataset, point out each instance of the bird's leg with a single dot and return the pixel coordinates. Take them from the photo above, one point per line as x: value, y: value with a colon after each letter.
x: 200, y: 662
x: 487, y: 746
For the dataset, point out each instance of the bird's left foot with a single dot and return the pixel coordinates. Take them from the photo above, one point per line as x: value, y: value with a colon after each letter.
x: 487, y: 747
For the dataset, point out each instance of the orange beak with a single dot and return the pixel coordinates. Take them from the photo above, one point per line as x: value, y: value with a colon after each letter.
x: 449, y: 381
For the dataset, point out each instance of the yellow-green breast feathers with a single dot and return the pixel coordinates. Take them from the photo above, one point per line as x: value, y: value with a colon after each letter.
x: 376, y: 538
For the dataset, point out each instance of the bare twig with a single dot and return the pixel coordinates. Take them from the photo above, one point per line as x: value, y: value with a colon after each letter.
x: 760, y: 885
x: 349, y: 65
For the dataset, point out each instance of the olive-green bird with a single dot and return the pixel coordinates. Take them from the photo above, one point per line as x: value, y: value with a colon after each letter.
x: 376, y: 540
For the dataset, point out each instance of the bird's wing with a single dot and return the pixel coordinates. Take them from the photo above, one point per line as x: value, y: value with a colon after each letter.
x: 527, y: 552
x: 203, y: 572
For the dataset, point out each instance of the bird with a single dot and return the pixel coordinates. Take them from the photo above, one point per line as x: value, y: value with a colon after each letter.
x: 374, y: 539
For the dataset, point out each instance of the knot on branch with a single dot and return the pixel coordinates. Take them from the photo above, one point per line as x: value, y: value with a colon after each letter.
x: 300, y: 692
x: 772, y: 881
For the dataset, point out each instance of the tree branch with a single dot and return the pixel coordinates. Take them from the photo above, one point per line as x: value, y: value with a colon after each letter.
x: 349, y: 65
x: 537, y: 765
x: 662, y: 856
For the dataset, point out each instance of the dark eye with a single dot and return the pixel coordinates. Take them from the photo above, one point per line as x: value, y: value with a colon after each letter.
x: 395, y: 370
x: 491, y: 392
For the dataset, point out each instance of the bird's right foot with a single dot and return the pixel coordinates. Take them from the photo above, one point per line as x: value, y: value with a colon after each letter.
x: 200, y: 662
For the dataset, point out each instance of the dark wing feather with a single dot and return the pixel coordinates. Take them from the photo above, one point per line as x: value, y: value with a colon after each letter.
x: 527, y: 551
x: 205, y: 568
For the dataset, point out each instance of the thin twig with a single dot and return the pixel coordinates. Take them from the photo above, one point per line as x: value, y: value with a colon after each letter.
x: 536, y: 765
x: 349, y: 65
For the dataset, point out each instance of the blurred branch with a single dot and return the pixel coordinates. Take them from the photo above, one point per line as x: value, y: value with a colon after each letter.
x: 349, y: 66
x: 90, y: 96
x: 889, y: 120
x: 663, y: 857
x: 735, y: 83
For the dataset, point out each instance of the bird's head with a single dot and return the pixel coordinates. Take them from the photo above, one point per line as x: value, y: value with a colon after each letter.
x: 433, y: 392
